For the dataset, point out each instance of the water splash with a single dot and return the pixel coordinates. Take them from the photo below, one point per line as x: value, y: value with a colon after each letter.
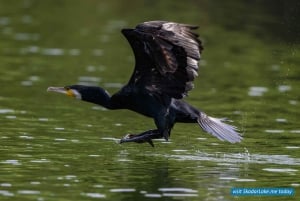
x: 283, y: 170
x: 234, y: 158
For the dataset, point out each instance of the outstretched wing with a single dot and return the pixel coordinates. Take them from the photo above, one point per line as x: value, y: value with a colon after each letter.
x: 166, y: 55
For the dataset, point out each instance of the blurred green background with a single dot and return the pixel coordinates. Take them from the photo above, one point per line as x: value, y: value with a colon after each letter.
x: 55, y: 148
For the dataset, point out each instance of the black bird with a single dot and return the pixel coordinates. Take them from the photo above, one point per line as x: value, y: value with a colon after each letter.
x: 166, y: 63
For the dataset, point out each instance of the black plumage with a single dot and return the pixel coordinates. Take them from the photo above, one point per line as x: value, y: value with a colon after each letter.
x: 166, y: 63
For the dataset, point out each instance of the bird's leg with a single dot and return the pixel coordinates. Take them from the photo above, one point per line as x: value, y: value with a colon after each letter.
x: 146, y: 136
x: 164, y: 125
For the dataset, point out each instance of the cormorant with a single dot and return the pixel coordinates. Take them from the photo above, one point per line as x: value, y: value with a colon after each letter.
x: 166, y: 63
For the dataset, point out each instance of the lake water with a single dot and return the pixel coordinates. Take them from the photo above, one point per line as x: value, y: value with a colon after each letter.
x: 56, y: 148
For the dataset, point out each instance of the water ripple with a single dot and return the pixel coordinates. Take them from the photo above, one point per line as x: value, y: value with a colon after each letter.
x: 6, y: 193
x: 5, y: 111
x: 94, y: 195
x: 53, y: 51
x: 28, y: 192
x: 257, y: 91
x: 180, y: 195
x: 153, y: 195
x: 284, y: 170
x: 182, y: 190
x: 284, y: 88
x: 122, y: 190
x: 4, y: 21
x: 5, y: 184
x: 239, y: 158
x: 11, y: 162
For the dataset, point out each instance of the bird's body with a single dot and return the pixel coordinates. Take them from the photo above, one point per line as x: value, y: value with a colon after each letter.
x: 167, y: 56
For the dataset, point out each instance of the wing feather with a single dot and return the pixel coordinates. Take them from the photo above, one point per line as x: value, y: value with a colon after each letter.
x: 166, y: 55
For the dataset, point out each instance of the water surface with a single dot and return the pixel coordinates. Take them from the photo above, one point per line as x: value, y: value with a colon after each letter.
x: 56, y: 148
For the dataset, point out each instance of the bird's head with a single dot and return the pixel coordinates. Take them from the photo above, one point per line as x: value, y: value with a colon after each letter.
x: 90, y: 94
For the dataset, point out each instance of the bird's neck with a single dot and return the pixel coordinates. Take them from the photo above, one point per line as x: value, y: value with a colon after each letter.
x: 101, y: 97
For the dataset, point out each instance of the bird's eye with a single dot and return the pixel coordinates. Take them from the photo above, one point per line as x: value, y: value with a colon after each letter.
x: 67, y: 88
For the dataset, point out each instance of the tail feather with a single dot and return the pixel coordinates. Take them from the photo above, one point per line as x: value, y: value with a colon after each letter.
x: 219, y: 129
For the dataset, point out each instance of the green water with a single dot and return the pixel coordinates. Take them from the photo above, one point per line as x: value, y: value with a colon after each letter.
x: 56, y: 148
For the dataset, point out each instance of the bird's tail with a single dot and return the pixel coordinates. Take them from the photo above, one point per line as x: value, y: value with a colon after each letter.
x: 219, y: 129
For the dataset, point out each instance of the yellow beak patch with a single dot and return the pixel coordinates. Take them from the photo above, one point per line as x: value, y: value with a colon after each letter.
x: 70, y: 93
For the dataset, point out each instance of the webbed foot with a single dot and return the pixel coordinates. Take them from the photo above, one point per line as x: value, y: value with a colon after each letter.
x: 137, y: 139
x: 146, y: 136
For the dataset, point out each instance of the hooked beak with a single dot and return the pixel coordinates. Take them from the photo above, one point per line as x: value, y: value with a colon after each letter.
x: 61, y: 90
